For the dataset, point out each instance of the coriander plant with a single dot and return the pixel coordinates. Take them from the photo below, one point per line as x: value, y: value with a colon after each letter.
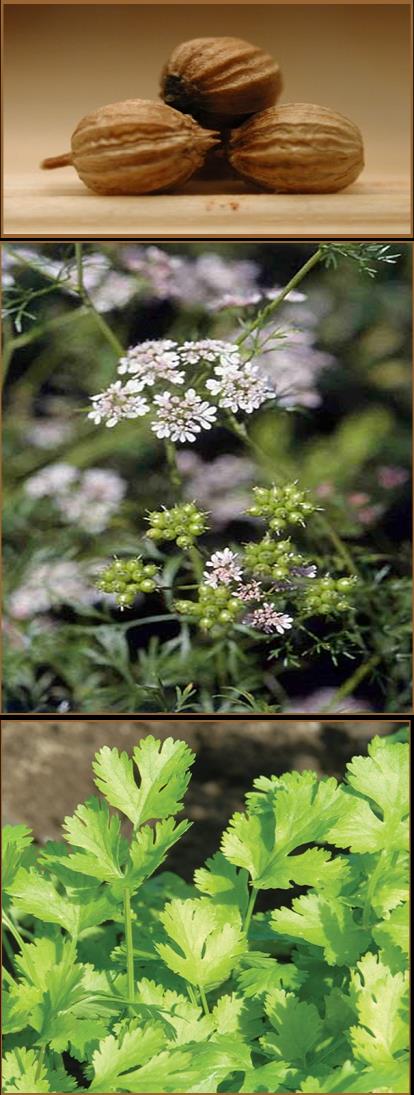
x: 120, y: 979
x: 217, y: 550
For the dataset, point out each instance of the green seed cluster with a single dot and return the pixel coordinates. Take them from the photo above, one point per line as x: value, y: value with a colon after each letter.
x: 216, y: 608
x: 126, y: 578
x: 328, y: 595
x: 281, y: 506
x: 183, y: 524
x: 273, y: 558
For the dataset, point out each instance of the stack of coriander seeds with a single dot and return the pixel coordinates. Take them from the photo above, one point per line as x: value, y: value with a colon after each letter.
x: 219, y: 93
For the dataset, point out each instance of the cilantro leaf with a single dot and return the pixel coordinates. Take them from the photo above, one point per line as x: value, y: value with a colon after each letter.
x: 291, y: 811
x: 297, y: 1027
x: 93, y: 828
x: 381, y: 1001
x: 205, y: 951
x: 326, y: 923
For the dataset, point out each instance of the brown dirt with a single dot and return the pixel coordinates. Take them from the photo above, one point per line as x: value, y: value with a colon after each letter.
x: 47, y: 766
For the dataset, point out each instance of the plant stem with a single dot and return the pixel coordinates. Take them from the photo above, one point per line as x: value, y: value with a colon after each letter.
x: 9, y: 950
x: 129, y: 945
x: 266, y: 313
x: 171, y: 455
x: 197, y: 561
x: 7, y: 975
x: 40, y: 1062
x: 99, y: 320
x: 353, y: 681
x: 192, y: 994
x: 341, y: 548
x: 203, y: 999
x: 249, y: 911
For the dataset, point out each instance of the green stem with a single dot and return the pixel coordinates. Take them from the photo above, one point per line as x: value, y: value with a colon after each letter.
x: 249, y: 911
x: 7, y: 975
x: 37, y: 332
x: 341, y: 548
x: 197, y: 562
x: 171, y: 455
x: 265, y: 314
x: 9, y: 950
x: 129, y: 945
x: 79, y: 268
x: 203, y: 999
x: 40, y: 1062
x: 353, y: 681
x: 192, y: 994
x: 13, y: 930
x: 98, y: 318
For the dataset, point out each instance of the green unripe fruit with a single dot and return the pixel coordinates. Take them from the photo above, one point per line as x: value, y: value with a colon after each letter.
x: 183, y: 541
x: 225, y: 617
x: 147, y: 585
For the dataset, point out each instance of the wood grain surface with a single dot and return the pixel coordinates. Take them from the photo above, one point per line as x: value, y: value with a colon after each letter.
x: 42, y: 204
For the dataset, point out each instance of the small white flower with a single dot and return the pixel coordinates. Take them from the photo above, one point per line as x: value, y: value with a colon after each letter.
x: 181, y: 418
x: 209, y: 349
x: 224, y: 568
x: 117, y: 403
x: 240, y: 388
x: 155, y: 359
x: 267, y: 619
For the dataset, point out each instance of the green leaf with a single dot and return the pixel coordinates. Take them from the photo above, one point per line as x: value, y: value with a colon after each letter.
x: 114, y: 776
x: 114, y: 1058
x: 184, y: 1022
x: 269, y: 1077
x: 381, y: 1001
x: 36, y: 896
x: 205, y: 952
x: 98, y: 833
x: 261, y: 974
x: 149, y: 849
x: 223, y: 883
x: 164, y: 773
x: 325, y: 923
x: 285, y: 814
x: 298, y: 1027
x: 381, y: 779
x: 20, y: 1072
x: 16, y: 852
x: 394, y: 929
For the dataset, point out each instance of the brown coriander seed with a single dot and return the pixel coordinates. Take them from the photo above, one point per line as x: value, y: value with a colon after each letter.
x: 299, y: 148
x: 220, y: 81
x: 135, y: 147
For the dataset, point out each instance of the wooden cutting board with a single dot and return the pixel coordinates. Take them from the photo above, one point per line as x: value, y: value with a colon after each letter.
x: 57, y: 204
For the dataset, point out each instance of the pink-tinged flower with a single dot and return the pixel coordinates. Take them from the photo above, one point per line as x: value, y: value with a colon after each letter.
x: 181, y: 418
x: 390, y: 476
x: 358, y: 498
x: 224, y: 568
x: 369, y: 514
x: 267, y: 619
x: 155, y: 359
x: 251, y: 591
x: 240, y: 387
x: 324, y: 490
x: 117, y: 403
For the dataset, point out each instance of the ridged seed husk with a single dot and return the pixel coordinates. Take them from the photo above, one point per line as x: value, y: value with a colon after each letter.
x: 298, y: 147
x: 138, y: 146
x: 221, y: 79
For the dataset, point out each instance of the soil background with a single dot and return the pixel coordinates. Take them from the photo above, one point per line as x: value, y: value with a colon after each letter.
x: 47, y: 767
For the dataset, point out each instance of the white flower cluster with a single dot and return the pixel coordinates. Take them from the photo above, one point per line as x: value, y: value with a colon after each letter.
x: 236, y: 385
x: 240, y: 387
x: 88, y: 499
x: 266, y: 618
x: 224, y: 568
x: 50, y: 584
